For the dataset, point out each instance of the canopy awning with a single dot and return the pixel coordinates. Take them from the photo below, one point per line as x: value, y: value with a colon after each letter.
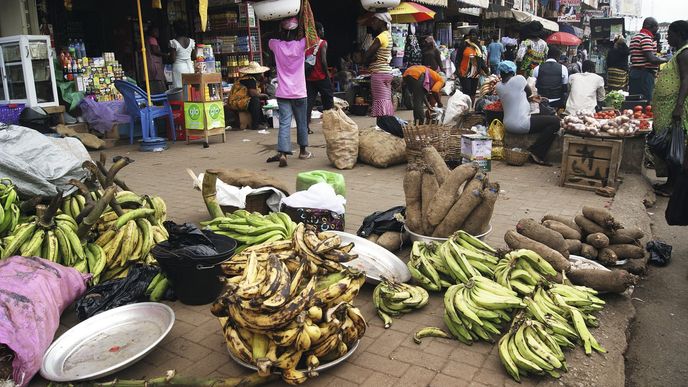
x: 438, y: 3
x: 496, y: 11
x: 525, y: 17
x: 474, y: 3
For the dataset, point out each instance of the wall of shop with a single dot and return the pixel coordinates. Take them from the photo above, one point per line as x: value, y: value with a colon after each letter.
x: 18, y: 17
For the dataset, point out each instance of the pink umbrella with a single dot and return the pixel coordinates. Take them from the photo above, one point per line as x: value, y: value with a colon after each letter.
x: 563, y: 39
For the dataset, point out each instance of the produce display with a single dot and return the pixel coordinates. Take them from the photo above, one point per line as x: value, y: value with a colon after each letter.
x: 440, y: 201
x: 393, y: 298
x: 252, y: 228
x: 589, y: 123
x: 495, y: 106
x: 615, y: 99
x: 287, y: 305
x: 9, y: 207
x: 390, y: 240
x: 489, y: 85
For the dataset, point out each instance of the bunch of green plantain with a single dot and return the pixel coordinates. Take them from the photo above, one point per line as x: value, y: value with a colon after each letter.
x: 252, y: 228
x: 156, y: 210
x: 284, y: 310
x: 9, y: 207
x: 157, y: 287
x: 475, y: 310
x: 435, y: 266
x: 521, y: 270
x: 392, y: 298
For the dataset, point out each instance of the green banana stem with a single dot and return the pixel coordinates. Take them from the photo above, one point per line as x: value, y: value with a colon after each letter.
x: 119, y: 162
x: 209, y: 192
x: 171, y: 379
x: 29, y: 206
x: 95, y: 171
x: 45, y: 219
x: 93, y: 216
x: 101, y: 165
x: 82, y: 189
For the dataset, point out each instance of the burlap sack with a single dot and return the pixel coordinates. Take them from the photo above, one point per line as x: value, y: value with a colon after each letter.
x: 380, y: 149
x: 341, y: 137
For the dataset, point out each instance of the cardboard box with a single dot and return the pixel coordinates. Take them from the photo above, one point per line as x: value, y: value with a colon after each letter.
x: 485, y: 165
x: 476, y: 147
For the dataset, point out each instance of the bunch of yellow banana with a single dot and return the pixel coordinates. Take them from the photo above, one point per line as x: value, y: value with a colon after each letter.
x: 129, y: 239
x: 476, y: 310
x: 9, y: 207
x: 521, y: 270
x: 252, y: 228
x: 393, y: 298
x: 527, y: 348
x: 281, y: 313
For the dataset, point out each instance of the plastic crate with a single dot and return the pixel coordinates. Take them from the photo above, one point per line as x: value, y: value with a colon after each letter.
x: 9, y: 114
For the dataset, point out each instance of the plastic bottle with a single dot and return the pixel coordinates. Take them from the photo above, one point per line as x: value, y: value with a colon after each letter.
x: 82, y: 48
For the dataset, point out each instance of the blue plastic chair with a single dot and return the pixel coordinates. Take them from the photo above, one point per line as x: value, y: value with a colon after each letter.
x: 136, y: 102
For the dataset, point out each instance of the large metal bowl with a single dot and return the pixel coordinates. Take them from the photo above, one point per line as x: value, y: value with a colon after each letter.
x: 414, y: 237
x: 374, y: 260
x: 107, y: 342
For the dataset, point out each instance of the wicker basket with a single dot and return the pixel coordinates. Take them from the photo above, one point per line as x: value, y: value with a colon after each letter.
x: 515, y: 157
x: 418, y: 137
x: 254, y: 203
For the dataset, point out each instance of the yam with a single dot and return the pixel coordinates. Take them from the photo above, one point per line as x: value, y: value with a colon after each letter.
x: 412, y: 191
x: 518, y: 241
x: 573, y: 246
x: 436, y: 164
x: 449, y: 191
x: 373, y: 238
x: 428, y: 191
x: 391, y: 240
x: 628, y: 251
x: 588, y: 251
x: 563, y: 219
x: 636, y: 266
x: 565, y: 231
x: 602, y: 217
x: 607, y: 257
x: 588, y: 226
x: 626, y: 236
x: 478, y: 222
x: 597, y: 240
x: 537, y: 232
x: 469, y: 199
x: 614, y: 281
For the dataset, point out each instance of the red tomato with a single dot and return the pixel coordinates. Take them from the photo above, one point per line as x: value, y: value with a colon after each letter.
x: 638, y: 108
x: 648, y: 108
x: 637, y: 115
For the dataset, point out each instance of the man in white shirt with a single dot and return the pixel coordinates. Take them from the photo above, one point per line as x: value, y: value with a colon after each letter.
x: 552, y: 78
x: 586, y: 90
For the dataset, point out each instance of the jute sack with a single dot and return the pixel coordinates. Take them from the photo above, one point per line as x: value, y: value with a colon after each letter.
x: 341, y: 138
x: 380, y: 149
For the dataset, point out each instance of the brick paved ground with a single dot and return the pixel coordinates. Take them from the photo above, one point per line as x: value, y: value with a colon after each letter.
x: 385, y: 357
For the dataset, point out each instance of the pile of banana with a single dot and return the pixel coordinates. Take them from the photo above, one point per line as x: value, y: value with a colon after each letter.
x: 476, y: 310
x: 460, y: 258
x: 283, y: 308
x: 9, y: 207
x: 252, y: 228
x: 527, y: 348
x: 521, y: 270
x: 392, y: 298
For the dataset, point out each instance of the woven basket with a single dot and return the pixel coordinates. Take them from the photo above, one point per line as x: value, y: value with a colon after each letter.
x: 418, y: 137
x: 514, y: 157
x: 467, y: 121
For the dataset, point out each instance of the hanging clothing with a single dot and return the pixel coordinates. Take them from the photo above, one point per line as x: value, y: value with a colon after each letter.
x: 182, y: 62
x: 530, y: 54
x: 412, y: 52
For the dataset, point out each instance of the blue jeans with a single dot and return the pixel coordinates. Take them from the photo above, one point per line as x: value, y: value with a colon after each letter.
x: 288, y: 108
x: 493, y: 68
x: 641, y: 81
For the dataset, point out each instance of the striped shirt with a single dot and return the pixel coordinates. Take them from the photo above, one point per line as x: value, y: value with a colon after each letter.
x: 384, y: 55
x: 641, y: 43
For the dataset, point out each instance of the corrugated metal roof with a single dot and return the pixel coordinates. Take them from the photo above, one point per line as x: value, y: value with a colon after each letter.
x: 439, y: 3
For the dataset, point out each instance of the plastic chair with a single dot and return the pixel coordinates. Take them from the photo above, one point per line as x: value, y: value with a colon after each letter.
x: 136, y: 102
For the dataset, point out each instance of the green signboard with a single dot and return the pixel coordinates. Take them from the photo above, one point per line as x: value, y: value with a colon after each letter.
x: 214, y: 115
x: 193, y: 115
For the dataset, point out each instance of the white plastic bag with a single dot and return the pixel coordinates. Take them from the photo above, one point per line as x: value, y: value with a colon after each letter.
x: 457, y: 105
x: 448, y: 87
x: 229, y: 195
x: 320, y: 196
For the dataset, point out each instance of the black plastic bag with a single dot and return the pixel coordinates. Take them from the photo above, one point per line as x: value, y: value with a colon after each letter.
x: 391, y: 125
x: 382, y: 221
x: 185, y: 241
x: 660, y: 253
x: 678, y: 144
x: 676, y: 213
x: 660, y: 143
x: 117, y: 292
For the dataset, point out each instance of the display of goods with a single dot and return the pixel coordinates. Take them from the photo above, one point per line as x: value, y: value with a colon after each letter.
x: 615, y: 99
x: 495, y: 106
x: 462, y: 257
x: 436, y: 203
x: 586, y: 122
x: 392, y: 298
x: 252, y: 228
x: 475, y: 310
x: 488, y: 86
x: 9, y: 207
x: 285, y: 309
x: 521, y: 270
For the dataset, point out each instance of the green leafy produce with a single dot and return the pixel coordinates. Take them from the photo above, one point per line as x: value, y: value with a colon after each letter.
x: 615, y: 99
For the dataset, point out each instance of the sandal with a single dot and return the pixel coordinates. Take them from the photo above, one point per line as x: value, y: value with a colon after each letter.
x: 306, y: 156
x: 663, y: 192
x: 283, y: 161
x: 275, y: 158
x: 538, y: 161
x: 310, y: 131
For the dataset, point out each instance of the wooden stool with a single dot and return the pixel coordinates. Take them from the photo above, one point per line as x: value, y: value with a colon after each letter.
x: 59, y: 109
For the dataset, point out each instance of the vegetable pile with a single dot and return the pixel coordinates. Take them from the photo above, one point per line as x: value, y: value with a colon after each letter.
x: 440, y: 201
x: 615, y: 99
x: 588, y: 123
x: 495, y: 106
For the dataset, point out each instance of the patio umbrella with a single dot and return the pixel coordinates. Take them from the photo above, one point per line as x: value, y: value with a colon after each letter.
x: 408, y: 12
x: 563, y: 39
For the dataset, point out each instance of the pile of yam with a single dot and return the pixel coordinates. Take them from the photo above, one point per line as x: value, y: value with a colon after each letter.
x: 390, y: 240
x: 440, y: 201
x: 594, y: 234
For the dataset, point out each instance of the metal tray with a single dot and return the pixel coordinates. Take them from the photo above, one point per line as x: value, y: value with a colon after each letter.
x: 107, y: 342
x: 321, y: 367
x: 375, y: 260
x: 577, y: 260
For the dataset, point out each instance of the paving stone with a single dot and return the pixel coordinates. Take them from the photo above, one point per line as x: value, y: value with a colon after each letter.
x: 463, y: 354
x: 207, y: 365
x: 408, y: 355
x: 378, y: 379
x: 388, y: 341
x: 442, y: 380
x: 351, y: 372
x: 418, y: 376
x: 381, y: 364
x: 459, y: 370
x: 491, y: 377
x: 188, y: 349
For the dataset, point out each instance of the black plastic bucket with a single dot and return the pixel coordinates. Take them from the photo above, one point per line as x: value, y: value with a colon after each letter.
x: 195, y: 280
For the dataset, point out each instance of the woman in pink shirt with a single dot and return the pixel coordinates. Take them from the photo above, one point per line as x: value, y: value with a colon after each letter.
x: 290, y: 56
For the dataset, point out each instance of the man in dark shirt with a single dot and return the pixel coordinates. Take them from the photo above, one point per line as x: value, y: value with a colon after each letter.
x: 552, y: 79
x: 644, y: 59
x: 431, y: 55
x: 617, y: 65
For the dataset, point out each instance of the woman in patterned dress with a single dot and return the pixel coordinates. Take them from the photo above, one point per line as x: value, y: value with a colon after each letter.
x: 378, y: 56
